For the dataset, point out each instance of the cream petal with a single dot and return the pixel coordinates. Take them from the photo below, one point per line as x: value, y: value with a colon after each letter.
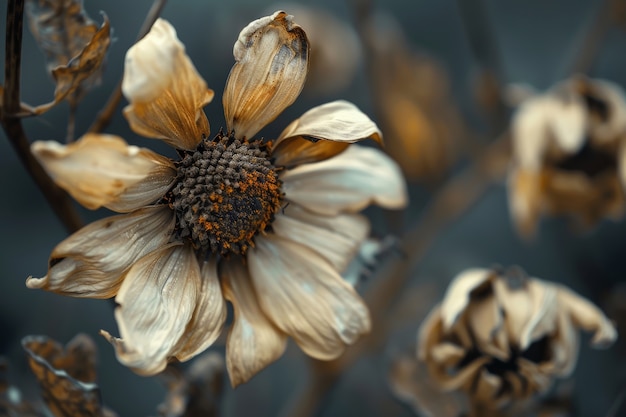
x: 323, y: 132
x: 529, y: 310
x: 271, y: 57
x: 350, y: 181
x: 485, y: 318
x: 336, y: 238
x: 102, y: 170
x: 606, y: 131
x: 447, y: 354
x: 253, y: 340
x: 306, y: 298
x: 91, y: 262
x: 430, y: 333
x: 587, y: 316
x: 208, y: 317
x: 486, y: 387
x: 458, y: 294
x: 165, y: 91
x: 156, y: 301
x: 449, y: 381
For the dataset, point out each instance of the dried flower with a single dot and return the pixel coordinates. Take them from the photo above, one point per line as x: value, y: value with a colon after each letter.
x: 421, y: 123
x: 266, y: 226
x: 569, y: 154
x: 501, y: 336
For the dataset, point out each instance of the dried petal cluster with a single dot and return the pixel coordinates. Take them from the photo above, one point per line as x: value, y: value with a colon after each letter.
x: 502, y: 337
x: 171, y: 286
x: 569, y: 154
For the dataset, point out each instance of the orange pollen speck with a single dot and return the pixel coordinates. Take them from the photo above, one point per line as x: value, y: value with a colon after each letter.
x: 226, y: 193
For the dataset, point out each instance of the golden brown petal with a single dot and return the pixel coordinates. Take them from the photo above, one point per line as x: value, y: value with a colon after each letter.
x: 271, y: 57
x: 102, y: 170
x: 323, y: 132
x: 165, y: 91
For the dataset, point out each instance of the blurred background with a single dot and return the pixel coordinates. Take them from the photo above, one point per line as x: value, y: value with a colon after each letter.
x: 531, y: 42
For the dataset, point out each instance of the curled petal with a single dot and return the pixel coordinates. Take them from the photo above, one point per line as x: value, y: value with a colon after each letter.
x: 91, y: 262
x: 526, y: 199
x: 253, y: 340
x: 156, y: 301
x: 336, y: 238
x: 458, y: 294
x: 544, y: 118
x: 587, y: 316
x: 348, y: 182
x: 208, y: 317
x: 306, y: 298
x: 322, y: 132
x: 102, y: 170
x: 165, y: 91
x: 271, y: 56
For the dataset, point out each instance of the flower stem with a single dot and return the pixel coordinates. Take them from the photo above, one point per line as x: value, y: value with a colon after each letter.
x: 58, y: 199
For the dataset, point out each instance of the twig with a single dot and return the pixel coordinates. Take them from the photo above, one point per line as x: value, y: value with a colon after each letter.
x: 57, y: 198
x: 617, y: 404
x: 455, y: 197
x: 482, y: 43
x: 594, y: 36
x: 106, y: 114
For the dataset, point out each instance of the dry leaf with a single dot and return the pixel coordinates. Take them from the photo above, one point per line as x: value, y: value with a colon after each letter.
x: 66, y: 376
x: 197, y: 391
x: 74, y: 45
x: 11, y: 401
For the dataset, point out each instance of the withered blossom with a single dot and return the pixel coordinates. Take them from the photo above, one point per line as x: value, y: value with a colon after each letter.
x: 413, y: 102
x: 569, y: 154
x: 268, y: 226
x: 501, y: 336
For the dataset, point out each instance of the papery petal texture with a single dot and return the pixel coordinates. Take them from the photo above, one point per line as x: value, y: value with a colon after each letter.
x: 92, y: 261
x: 156, y: 301
x: 306, y: 298
x: 253, y: 340
x: 323, y: 132
x: 102, y: 170
x: 271, y: 57
x: 165, y: 91
x: 208, y: 317
x: 348, y: 182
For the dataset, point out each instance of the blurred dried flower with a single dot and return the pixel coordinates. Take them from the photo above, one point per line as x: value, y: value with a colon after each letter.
x: 266, y: 226
x: 74, y: 45
x: 569, y: 154
x: 336, y: 51
x: 66, y: 376
x: 502, y: 337
x: 197, y: 391
x: 413, y: 104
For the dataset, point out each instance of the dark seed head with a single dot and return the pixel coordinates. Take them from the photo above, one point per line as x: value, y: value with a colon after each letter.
x: 227, y: 191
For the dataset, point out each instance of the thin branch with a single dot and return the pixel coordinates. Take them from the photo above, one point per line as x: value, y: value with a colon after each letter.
x: 485, y: 50
x: 106, y: 114
x: 57, y: 198
x: 593, y: 38
x: 455, y: 197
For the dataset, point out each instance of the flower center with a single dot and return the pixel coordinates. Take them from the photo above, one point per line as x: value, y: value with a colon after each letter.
x: 227, y: 191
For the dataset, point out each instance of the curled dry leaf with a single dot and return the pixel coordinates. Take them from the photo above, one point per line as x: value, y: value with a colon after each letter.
x: 74, y: 45
x: 11, y: 402
x: 195, y: 392
x: 66, y: 376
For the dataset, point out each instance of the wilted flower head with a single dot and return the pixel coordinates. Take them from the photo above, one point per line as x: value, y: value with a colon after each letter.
x: 568, y: 154
x: 268, y: 226
x: 502, y: 337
